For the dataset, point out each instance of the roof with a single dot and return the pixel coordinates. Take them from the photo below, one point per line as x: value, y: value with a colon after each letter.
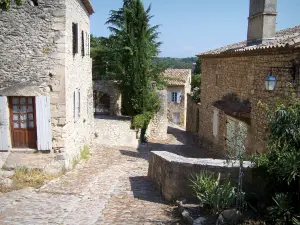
x: 177, y: 77
x: 88, y: 6
x: 284, y: 38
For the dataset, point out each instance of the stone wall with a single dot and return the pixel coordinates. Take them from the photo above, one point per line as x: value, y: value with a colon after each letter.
x: 242, y: 74
x: 32, y: 59
x: 110, y: 88
x: 172, y: 173
x: 158, y: 126
x: 78, y: 76
x: 193, y: 115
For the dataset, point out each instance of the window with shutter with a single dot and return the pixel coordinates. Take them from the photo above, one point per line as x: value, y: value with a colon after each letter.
x: 75, y: 37
x: 82, y: 44
x: 76, y: 105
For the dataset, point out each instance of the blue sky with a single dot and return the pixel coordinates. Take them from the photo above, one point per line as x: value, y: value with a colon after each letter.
x: 189, y: 27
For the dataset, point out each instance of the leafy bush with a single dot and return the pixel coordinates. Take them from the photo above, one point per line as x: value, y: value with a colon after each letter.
x: 282, y: 212
x: 212, y: 193
x: 283, y: 157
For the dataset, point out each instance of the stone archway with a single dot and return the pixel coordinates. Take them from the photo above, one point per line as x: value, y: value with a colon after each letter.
x: 101, y: 103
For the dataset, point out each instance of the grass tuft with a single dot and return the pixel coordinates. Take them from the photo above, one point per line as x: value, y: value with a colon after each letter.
x: 85, y: 153
x: 24, y: 177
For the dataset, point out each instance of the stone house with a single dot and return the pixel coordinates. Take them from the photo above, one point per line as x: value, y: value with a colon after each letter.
x: 178, y: 86
x: 234, y: 82
x: 46, y: 94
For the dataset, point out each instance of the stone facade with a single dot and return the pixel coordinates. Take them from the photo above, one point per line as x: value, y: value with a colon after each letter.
x: 158, y: 126
x: 36, y: 59
x: 178, y: 81
x: 172, y: 173
x: 111, y: 89
x: 242, y: 75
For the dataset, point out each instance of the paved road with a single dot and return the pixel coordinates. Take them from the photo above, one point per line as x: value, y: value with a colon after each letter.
x: 111, y: 188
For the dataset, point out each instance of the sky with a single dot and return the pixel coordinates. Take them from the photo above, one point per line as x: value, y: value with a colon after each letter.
x: 189, y: 27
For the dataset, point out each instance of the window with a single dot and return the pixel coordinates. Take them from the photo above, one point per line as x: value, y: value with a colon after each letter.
x: 76, y: 105
x: 75, y: 37
x: 174, y: 96
x: 216, y: 123
x: 82, y: 44
x: 34, y: 2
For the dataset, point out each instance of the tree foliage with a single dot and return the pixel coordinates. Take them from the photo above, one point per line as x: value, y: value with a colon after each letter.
x: 5, y: 4
x: 175, y: 63
x: 133, y: 43
x: 283, y: 157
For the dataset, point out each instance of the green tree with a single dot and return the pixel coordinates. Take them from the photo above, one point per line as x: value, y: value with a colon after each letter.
x: 5, y: 4
x: 198, y: 67
x: 134, y: 44
x: 196, y: 87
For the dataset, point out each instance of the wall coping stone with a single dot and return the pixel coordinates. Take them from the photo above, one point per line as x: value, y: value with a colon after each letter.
x: 171, y: 157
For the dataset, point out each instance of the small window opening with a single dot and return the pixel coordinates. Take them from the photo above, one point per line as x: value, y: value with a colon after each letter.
x: 35, y: 2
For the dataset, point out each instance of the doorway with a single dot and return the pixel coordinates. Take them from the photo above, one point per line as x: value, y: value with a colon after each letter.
x: 236, y: 135
x: 23, y: 122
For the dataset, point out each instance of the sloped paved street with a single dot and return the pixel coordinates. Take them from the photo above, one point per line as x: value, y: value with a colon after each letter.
x: 111, y: 188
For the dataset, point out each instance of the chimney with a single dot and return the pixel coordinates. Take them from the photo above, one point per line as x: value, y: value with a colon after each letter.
x: 262, y: 21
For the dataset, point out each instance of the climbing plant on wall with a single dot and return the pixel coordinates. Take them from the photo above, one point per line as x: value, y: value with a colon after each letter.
x: 5, y: 4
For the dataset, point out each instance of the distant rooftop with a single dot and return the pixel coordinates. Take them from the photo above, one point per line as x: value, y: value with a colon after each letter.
x: 177, y: 77
x: 284, y: 38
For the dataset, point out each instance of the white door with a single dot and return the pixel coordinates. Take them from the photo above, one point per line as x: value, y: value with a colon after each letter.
x: 176, y: 118
x: 4, y: 124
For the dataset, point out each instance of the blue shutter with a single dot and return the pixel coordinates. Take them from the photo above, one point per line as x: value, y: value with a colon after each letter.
x: 178, y: 97
x: 43, y: 123
x: 169, y: 96
x: 4, y: 124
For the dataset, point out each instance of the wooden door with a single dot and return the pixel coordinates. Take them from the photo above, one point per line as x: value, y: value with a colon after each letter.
x: 236, y: 135
x: 22, y: 119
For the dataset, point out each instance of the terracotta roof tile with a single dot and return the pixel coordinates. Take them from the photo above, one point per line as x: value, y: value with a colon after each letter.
x: 177, y: 76
x: 88, y: 6
x: 284, y: 38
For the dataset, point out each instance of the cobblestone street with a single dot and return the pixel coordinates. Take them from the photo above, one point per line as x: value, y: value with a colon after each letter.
x: 111, y: 188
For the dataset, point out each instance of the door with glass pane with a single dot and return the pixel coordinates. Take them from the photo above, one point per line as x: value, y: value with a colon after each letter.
x: 23, y: 125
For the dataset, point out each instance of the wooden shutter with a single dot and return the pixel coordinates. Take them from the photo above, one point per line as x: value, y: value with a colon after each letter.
x: 43, y: 123
x: 82, y: 44
x: 178, y: 97
x: 169, y: 96
x: 4, y: 124
x: 75, y: 38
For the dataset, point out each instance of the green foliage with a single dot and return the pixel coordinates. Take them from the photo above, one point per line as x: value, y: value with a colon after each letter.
x: 282, y: 212
x: 175, y: 63
x: 133, y: 45
x: 212, y: 193
x: 198, y: 67
x: 85, y: 153
x: 196, y: 84
x: 283, y: 157
x: 5, y: 4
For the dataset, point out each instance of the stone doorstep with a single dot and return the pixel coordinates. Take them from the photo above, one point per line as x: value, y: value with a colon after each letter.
x: 28, y: 159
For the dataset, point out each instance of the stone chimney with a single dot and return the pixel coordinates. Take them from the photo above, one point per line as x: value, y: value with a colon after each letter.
x: 262, y: 21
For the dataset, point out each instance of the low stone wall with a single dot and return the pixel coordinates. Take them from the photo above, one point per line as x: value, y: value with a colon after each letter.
x: 172, y: 173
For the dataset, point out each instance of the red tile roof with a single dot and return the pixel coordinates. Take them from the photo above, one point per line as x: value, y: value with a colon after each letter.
x: 88, y: 6
x: 284, y: 38
x: 177, y: 77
